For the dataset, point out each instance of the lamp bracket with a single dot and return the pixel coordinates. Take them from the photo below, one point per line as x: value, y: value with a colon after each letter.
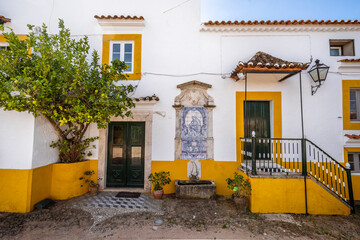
x: 314, y: 89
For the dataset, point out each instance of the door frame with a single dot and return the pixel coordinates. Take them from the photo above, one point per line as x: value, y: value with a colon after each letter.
x: 137, y: 116
x: 275, y: 114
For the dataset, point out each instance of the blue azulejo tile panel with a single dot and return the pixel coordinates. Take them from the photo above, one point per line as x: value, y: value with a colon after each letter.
x: 193, y: 133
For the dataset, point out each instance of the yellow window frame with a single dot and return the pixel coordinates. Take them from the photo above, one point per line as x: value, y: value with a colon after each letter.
x: 347, y: 123
x: 107, y: 38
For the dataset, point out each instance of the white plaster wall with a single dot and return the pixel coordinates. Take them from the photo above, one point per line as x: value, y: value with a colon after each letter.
x: 44, y: 135
x: 16, y: 140
x: 173, y: 47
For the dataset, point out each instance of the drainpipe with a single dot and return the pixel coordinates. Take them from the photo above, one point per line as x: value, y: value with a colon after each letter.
x: 245, y: 126
x: 303, y: 145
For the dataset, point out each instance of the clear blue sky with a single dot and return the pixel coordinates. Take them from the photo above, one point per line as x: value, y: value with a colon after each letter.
x: 280, y: 10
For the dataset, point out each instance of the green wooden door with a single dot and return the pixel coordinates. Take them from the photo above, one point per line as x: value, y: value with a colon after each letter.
x: 258, y: 120
x: 125, y: 162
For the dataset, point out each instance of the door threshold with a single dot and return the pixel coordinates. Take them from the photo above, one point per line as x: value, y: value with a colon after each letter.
x: 113, y: 189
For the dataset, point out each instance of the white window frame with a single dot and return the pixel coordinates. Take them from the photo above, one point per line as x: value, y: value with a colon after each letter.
x: 357, y: 99
x: 356, y: 157
x: 122, y: 53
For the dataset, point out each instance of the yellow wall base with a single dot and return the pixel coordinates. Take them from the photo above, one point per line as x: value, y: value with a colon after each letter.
x: 210, y: 170
x: 66, y: 181
x: 21, y: 189
x: 287, y: 195
x: 355, y: 179
x: 15, y: 190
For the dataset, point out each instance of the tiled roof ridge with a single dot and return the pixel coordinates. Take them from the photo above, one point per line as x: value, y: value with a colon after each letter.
x: 281, y: 22
x: 147, y: 98
x: 4, y: 19
x: 353, y: 136
x: 128, y: 17
x: 265, y: 60
x: 349, y: 60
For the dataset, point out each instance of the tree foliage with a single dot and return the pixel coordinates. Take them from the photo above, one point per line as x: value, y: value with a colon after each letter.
x: 53, y: 76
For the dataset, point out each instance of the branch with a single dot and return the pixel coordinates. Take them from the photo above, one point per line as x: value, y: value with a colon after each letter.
x: 56, y: 127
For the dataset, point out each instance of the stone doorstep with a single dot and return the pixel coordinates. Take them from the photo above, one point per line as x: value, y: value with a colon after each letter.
x: 140, y: 190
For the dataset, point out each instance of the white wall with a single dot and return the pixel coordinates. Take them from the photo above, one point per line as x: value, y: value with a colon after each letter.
x: 16, y: 140
x: 44, y: 134
x: 173, y: 46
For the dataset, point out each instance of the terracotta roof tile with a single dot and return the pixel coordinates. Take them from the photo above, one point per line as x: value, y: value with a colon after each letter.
x: 282, y: 22
x: 4, y: 19
x: 119, y: 17
x: 349, y: 60
x: 265, y: 62
x: 353, y: 136
x: 148, y: 98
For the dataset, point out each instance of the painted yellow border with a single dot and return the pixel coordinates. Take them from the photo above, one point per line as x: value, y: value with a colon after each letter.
x: 22, y: 37
x: 354, y: 178
x: 137, y: 51
x: 346, y: 85
x: 275, y: 97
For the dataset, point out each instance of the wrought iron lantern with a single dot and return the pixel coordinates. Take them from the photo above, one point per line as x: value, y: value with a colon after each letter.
x: 318, y: 73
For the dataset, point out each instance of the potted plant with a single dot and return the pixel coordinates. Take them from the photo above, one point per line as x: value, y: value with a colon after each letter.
x: 242, y: 190
x: 93, y: 187
x: 159, y: 180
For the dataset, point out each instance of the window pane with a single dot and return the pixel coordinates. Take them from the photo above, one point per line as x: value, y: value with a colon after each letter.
x: 130, y: 67
x: 351, y: 161
x: 117, y: 156
x: 353, y: 105
x: 136, y: 156
x: 352, y: 95
x: 128, y: 57
x: 136, y: 135
x: 334, y: 52
x: 128, y: 47
x: 118, y: 137
x: 116, y: 48
x: 116, y: 56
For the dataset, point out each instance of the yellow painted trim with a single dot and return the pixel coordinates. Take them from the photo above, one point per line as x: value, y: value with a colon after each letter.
x: 355, y: 179
x: 346, y: 85
x: 274, y: 97
x: 137, y: 51
x: 22, y: 37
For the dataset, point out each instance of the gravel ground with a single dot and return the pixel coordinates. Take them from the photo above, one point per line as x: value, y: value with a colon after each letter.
x: 200, y: 219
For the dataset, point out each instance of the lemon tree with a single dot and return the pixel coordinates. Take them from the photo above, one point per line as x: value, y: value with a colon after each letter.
x: 54, y: 76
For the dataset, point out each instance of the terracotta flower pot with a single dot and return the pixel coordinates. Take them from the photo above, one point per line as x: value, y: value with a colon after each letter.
x: 94, y: 190
x: 242, y: 204
x: 158, y: 194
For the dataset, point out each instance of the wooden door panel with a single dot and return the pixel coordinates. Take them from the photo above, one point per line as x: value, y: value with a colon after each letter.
x: 135, y: 159
x: 258, y: 120
x: 125, y: 163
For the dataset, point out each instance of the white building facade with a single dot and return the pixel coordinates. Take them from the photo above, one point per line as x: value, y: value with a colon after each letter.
x: 173, y: 55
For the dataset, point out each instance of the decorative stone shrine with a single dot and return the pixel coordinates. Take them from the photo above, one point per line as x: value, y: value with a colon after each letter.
x: 194, y: 127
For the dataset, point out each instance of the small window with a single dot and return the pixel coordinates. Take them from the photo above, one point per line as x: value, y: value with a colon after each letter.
x: 124, y: 51
x: 342, y: 48
x: 354, y: 104
x: 354, y: 161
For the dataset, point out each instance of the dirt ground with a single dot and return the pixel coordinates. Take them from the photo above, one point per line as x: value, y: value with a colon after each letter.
x: 182, y: 219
